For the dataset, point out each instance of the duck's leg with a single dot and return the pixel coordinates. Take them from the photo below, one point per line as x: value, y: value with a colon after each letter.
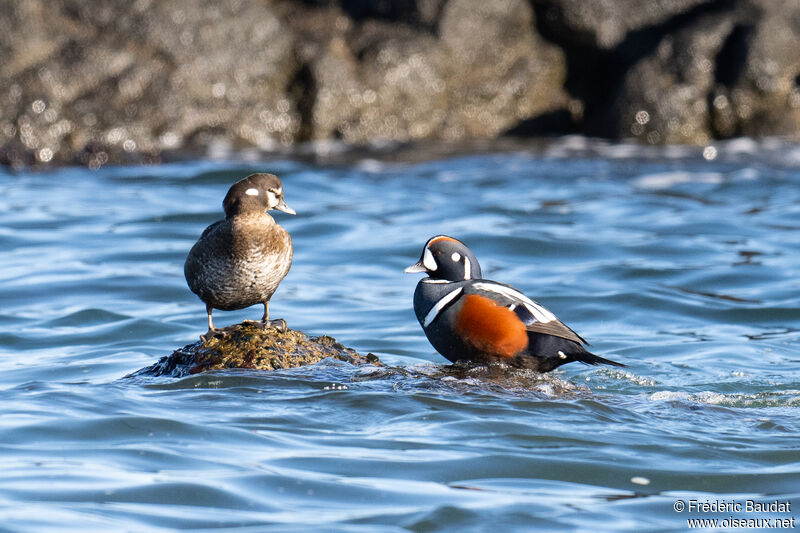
x: 211, y: 329
x: 279, y: 323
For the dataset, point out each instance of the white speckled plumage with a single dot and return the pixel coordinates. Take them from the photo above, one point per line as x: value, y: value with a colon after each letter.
x: 240, y: 261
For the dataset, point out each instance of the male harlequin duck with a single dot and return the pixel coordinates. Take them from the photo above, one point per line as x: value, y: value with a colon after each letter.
x: 239, y: 261
x: 469, y: 318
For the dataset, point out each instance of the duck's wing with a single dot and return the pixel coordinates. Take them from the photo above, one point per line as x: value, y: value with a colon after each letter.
x: 537, y: 318
x: 212, y: 227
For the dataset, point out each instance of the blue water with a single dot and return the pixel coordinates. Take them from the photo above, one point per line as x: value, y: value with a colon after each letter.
x: 685, y: 269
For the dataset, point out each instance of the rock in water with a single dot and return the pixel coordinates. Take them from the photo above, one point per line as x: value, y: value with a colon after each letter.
x: 249, y: 345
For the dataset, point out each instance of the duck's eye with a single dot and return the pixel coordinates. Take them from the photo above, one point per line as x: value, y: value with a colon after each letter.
x: 251, y: 192
x: 456, y: 257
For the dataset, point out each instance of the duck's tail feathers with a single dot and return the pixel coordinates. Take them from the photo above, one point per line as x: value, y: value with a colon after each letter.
x: 591, y: 359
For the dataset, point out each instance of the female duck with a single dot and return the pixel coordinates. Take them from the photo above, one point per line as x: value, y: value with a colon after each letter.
x: 239, y: 261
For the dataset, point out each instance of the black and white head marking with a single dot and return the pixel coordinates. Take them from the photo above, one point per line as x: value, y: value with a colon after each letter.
x: 275, y: 197
x: 255, y: 193
x: 447, y: 258
x: 428, y: 260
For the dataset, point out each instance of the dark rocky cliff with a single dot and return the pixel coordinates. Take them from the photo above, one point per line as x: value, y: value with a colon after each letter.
x: 97, y: 81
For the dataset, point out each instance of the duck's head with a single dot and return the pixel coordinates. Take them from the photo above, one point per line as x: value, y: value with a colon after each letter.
x: 447, y: 258
x: 255, y: 193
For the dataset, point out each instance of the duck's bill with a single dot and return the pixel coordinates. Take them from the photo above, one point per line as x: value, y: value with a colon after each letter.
x: 416, y: 267
x: 285, y: 208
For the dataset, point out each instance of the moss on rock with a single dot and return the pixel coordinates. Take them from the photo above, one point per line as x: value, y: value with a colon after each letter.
x: 249, y: 345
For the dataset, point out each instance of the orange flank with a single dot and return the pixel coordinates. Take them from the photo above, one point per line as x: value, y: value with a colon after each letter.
x: 491, y: 328
x: 442, y: 238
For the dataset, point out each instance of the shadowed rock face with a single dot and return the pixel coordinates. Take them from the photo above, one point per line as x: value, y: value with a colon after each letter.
x: 98, y: 81
x: 681, y: 71
x: 254, y: 347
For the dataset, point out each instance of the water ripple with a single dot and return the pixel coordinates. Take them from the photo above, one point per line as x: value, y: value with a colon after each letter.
x: 681, y: 268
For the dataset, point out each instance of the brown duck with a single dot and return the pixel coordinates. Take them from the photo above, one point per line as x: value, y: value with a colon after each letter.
x: 239, y: 261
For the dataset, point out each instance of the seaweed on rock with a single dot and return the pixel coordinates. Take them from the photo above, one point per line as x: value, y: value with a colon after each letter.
x: 249, y: 345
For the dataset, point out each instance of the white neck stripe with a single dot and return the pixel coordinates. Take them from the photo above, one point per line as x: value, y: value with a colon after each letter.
x: 436, y: 309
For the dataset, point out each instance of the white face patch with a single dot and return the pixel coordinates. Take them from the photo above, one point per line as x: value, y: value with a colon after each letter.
x: 251, y: 192
x: 428, y: 260
x: 562, y: 355
x: 273, y: 200
x: 456, y: 257
x: 467, y: 268
x: 539, y: 313
x: 436, y: 309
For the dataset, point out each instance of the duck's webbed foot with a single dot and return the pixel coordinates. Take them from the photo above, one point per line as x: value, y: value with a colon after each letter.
x: 278, y: 323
